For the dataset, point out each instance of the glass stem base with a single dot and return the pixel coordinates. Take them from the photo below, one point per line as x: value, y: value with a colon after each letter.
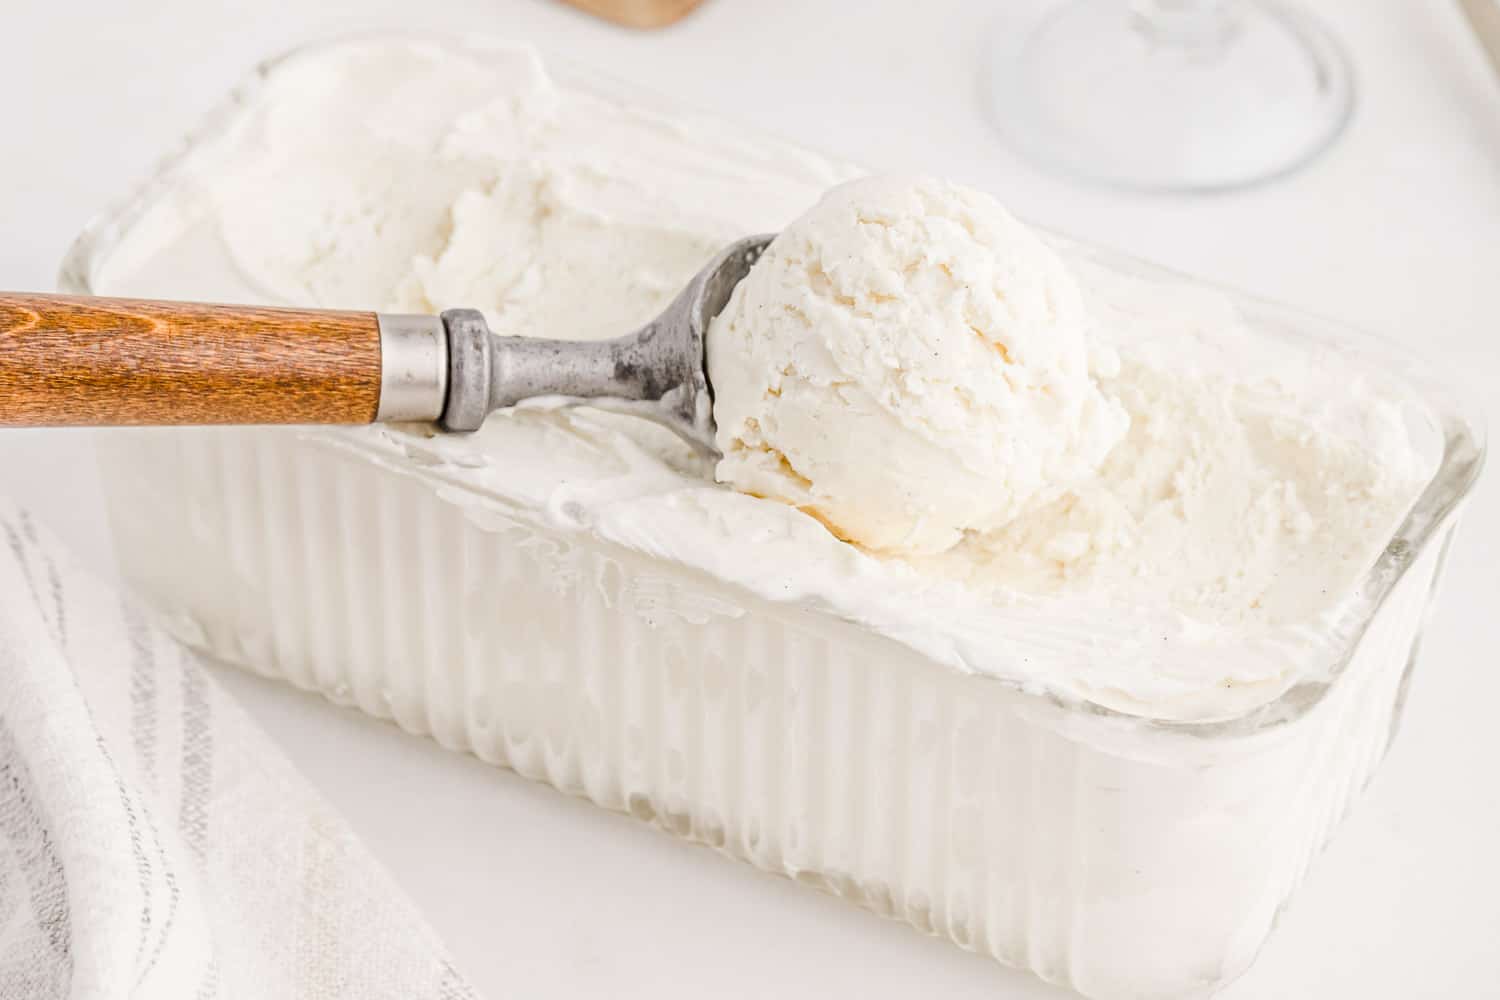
x: 1165, y: 96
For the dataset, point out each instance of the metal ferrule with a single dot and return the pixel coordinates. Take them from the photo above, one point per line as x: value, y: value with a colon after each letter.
x: 413, y: 367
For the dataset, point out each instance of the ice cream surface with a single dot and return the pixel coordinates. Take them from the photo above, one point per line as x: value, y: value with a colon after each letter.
x: 1102, y: 485
x: 909, y: 364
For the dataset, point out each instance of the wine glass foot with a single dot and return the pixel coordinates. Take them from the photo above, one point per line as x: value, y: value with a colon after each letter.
x: 1121, y: 94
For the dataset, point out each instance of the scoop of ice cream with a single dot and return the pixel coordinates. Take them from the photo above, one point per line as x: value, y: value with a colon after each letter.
x: 908, y: 363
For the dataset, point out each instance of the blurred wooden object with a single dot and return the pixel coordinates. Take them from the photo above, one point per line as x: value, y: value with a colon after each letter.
x: 1484, y: 18
x: 638, y: 13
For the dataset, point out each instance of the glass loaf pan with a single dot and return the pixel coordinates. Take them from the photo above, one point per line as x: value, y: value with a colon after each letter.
x: 1116, y: 855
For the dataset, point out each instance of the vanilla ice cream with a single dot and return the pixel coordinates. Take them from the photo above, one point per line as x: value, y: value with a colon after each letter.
x: 1071, y: 652
x: 908, y: 364
x: 934, y: 422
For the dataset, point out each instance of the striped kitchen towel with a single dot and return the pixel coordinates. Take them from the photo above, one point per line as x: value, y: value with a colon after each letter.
x: 153, y: 843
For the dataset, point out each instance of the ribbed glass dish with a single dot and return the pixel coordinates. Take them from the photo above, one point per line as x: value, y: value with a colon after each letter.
x: 1121, y: 856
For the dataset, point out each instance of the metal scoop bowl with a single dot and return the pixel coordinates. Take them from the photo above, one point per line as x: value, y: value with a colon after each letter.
x: 657, y: 372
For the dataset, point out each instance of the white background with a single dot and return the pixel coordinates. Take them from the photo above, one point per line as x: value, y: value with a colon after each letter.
x: 1396, y: 229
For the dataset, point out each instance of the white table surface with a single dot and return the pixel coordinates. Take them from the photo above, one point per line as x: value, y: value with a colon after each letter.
x: 1397, y: 229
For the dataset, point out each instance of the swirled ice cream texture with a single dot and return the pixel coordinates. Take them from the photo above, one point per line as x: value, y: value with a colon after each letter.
x: 1201, y: 567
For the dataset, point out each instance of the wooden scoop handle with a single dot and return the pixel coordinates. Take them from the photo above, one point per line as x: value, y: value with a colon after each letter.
x: 87, y: 361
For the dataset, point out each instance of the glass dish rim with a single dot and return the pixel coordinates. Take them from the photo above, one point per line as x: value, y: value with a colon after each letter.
x: 1458, y: 414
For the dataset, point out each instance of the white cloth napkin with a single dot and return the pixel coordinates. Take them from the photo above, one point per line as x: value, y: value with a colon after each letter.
x: 153, y: 843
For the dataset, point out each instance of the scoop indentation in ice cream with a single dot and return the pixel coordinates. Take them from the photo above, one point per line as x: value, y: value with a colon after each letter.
x: 908, y: 363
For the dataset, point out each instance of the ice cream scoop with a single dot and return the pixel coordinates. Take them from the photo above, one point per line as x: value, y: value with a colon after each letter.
x: 83, y: 361
x: 910, y: 364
